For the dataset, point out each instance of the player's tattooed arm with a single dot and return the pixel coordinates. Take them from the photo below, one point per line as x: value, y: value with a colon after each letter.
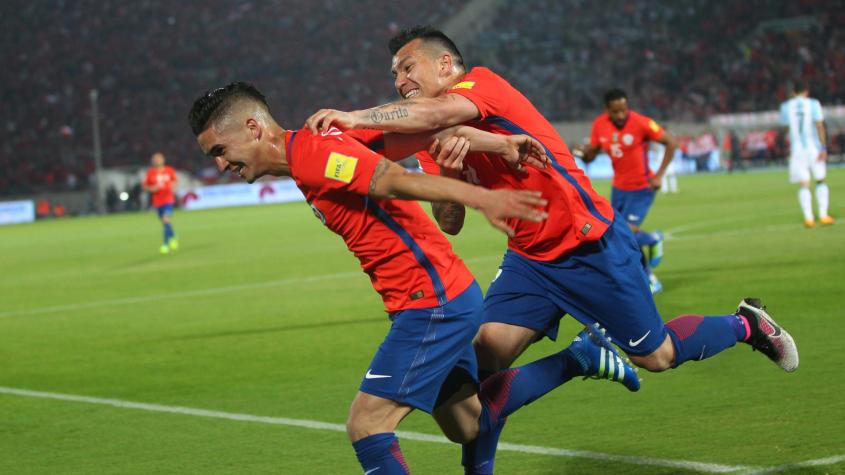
x: 381, y: 169
x: 419, y: 114
x: 392, y: 181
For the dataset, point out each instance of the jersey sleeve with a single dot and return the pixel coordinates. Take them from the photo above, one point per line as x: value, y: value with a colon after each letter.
x: 427, y: 163
x: 148, y: 179
x: 370, y: 138
x: 653, y: 130
x: 332, y: 163
x: 816, y: 111
x: 784, y: 116
x: 486, y: 90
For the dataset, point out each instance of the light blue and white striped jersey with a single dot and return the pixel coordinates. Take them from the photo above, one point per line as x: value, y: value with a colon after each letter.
x: 801, y: 115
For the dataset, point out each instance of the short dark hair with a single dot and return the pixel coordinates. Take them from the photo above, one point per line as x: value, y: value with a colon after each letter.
x: 800, y: 85
x: 614, y: 95
x: 428, y: 34
x: 215, y: 102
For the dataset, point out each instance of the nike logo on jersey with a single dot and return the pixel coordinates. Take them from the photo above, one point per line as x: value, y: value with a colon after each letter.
x: 370, y: 375
x: 633, y: 217
x: 368, y: 472
x: 635, y: 343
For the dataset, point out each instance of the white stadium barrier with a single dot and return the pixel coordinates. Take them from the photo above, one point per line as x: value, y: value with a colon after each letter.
x: 13, y: 212
x: 240, y: 194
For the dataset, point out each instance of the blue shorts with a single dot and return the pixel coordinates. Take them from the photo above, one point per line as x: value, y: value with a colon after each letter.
x: 632, y: 205
x: 601, y: 281
x: 422, y: 348
x: 165, y: 210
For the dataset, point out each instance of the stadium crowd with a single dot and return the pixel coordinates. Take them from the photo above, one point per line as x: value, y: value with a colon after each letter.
x: 673, y: 64
x: 148, y: 60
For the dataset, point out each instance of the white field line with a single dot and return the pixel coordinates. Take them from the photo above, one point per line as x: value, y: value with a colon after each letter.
x: 197, y: 293
x: 318, y: 425
x: 792, y: 466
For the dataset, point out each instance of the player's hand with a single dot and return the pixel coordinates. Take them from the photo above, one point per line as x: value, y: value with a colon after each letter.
x: 822, y: 156
x: 499, y: 205
x: 524, y: 150
x: 450, y: 155
x: 324, y: 119
x: 655, y: 182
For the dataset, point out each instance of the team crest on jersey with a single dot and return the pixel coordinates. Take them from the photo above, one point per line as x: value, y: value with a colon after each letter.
x: 341, y: 167
x: 464, y: 85
x: 627, y: 139
x: 653, y: 125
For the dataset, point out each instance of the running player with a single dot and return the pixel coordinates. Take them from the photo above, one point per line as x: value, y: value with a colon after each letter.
x: 807, y: 138
x: 159, y: 182
x: 625, y: 135
x: 579, y: 261
x: 427, y: 360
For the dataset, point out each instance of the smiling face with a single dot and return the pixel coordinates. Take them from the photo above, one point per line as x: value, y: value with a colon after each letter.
x: 236, y: 146
x: 423, y: 70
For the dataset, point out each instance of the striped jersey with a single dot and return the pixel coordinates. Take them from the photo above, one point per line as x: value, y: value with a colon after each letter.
x: 800, y: 114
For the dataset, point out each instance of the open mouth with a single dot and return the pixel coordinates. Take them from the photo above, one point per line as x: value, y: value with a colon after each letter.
x: 412, y: 93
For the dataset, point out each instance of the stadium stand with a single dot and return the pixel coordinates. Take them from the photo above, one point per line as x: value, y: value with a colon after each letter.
x: 673, y: 65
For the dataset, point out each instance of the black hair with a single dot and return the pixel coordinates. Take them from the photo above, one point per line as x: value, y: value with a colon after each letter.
x: 216, y: 102
x: 614, y: 95
x: 800, y: 85
x: 428, y: 34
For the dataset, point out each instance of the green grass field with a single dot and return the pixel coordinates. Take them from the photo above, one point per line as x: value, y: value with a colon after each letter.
x: 264, y: 312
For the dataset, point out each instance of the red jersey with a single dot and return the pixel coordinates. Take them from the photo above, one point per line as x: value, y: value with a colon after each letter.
x: 576, y: 212
x: 627, y: 147
x: 163, y: 178
x: 409, y: 261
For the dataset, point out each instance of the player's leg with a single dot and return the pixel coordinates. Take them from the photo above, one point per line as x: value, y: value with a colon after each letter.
x: 819, y: 172
x: 169, y: 234
x: 799, y: 172
x: 517, y: 313
x: 371, y: 425
x: 164, y: 218
x: 614, y: 295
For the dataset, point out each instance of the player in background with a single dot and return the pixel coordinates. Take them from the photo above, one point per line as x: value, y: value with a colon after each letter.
x: 160, y: 181
x: 427, y: 360
x: 625, y: 135
x: 808, y: 151
x: 580, y: 261
x: 670, y: 178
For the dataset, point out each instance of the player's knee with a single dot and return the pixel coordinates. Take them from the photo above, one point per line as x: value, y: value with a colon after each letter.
x: 460, y: 435
x: 659, y: 360
x: 361, y: 424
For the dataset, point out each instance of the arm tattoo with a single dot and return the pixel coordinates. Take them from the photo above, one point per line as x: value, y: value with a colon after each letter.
x: 388, y: 113
x: 381, y: 169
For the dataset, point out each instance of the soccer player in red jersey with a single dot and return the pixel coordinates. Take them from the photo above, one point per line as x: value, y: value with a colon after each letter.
x: 427, y: 360
x: 581, y: 261
x: 159, y: 182
x: 625, y: 135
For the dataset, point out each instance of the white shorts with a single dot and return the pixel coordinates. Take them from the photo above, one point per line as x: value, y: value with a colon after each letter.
x: 804, y: 163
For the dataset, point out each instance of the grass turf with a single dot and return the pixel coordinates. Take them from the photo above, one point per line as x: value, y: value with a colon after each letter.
x: 263, y: 311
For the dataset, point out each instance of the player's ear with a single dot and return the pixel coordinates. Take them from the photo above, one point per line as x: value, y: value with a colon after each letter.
x: 254, y: 128
x: 444, y: 64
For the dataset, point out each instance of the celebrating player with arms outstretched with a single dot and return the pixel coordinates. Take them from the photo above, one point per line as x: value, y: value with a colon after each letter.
x: 427, y: 360
x: 625, y: 136
x: 579, y: 261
